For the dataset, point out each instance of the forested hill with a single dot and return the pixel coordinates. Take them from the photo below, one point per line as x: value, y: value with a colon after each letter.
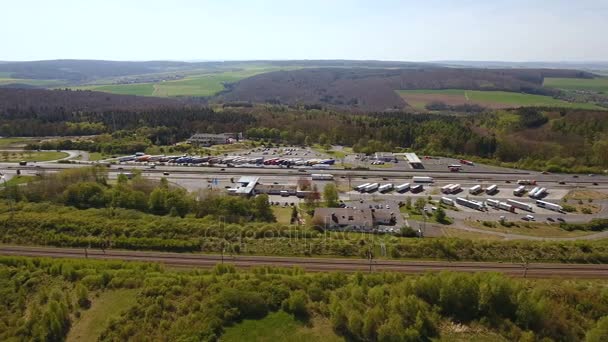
x: 372, y: 89
x: 14, y: 100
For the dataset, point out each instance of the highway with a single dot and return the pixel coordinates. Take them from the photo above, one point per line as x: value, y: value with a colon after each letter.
x: 533, y: 270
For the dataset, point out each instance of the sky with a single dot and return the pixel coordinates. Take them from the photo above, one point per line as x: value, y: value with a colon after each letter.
x: 400, y: 30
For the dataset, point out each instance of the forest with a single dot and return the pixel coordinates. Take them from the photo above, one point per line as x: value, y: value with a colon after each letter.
x: 44, y: 299
x: 547, y: 139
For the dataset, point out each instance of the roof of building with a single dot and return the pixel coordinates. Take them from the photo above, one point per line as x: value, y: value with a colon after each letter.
x: 385, y: 154
x: 345, y: 216
x: 412, y: 158
x: 275, y: 187
x: 248, y: 184
x: 208, y: 135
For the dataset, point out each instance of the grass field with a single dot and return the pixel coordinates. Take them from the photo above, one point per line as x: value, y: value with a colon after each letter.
x: 280, y: 326
x: 493, y: 99
x: 283, y: 215
x: 38, y: 83
x: 540, y: 229
x: 599, y: 84
x: 30, y: 156
x: 203, y: 84
x: 104, y: 308
x: 19, y: 180
x: 9, y: 142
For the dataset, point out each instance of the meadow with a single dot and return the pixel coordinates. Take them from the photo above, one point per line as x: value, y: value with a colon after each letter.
x: 599, y: 84
x: 493, y: 99
x: 204, y: 83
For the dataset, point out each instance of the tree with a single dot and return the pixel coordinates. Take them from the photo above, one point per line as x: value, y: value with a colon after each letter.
x: 330, y: 194
x: 599, y: 332
x: 419, y: 204
x: 440, y: 215
x: 263, y: 211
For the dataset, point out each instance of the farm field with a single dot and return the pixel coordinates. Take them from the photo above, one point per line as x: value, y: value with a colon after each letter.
x: 29, y: 156
x: 203, y: 84
x: 492, y: 99
x: 599, y: 84
x: 32, y: 82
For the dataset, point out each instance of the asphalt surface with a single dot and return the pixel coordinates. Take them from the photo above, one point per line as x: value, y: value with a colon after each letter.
x: 534, y: 270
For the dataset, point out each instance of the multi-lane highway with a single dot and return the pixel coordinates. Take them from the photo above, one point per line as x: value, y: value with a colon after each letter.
x: 535, y: 270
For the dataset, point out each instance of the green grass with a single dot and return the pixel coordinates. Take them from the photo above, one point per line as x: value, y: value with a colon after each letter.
x: 19, y: 180
x: 599, y: 84
x: 33, y: 82
x: 6, y: 142
x: 283, y: 215
x: 279, y: 326
x: 30, y: 156
x: 539, y: 229
x: 502, y: 98
x: 142, y: 89
x: 107, y: 306
x: 204, y: 83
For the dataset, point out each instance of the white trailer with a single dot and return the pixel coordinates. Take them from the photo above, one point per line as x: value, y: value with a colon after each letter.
x: 532, y: 192
x: 471, y: 204
x: 520, y: 190
x: 446, y: 188
x: 417, y: 188
x: 491, y: 189
x: 321, y: 166
x: 386, y: 187
x: 549, y: 205
x: 362, y: 187
x: 422, y: 179
x: 322, y: 176
x: 493, y: 203
x: 447, y: 201
x: 475, y: 189
x: 506, y: 206
x: 520, y: 205
x: 540, y: 193
x: 454, y: 188
x: 371, y: 187
x: 403, y: 187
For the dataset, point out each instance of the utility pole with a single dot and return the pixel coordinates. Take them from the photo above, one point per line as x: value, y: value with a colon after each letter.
x: 525, y: 265
x: 370, y: 255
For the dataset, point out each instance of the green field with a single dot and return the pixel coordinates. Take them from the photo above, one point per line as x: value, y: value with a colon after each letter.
x: 280, y: 326
x: 599, y: 84
x: 202, y: 84
x: 30, y: 156
x: 38, y: 83
x: 498, y: 99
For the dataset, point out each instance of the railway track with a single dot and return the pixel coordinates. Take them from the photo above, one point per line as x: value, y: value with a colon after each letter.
x: 535, y: 270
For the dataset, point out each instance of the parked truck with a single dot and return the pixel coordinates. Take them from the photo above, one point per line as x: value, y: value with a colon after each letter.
x: 520, y: 205
x: 520, y: 190
x: 526, y: 182
x: 474, y: 190
x: 371, y: 187
x: 491, y: 189
x: 403, y: 187
x: 362, y: 187
x: 385, y: 187
x: 422, y: 179
x: 470, y: 203
x: 549, y: 205
x: 447, y: 201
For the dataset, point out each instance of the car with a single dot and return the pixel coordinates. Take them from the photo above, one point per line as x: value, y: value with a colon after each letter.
x: 550, y: 219
x: 120, y: 168
x: 530, y: 217
x: 360, y: 201
x: 545, y: 172
x: 433, y: 208
x: 595, y: 183
x: 575, y: 176
x: 227, y: 187
x: 384, y: 178
x: 508, y: 182
x: 561, y: 219
x: 222, y: 169
x: 301, y: 170
x: 562, y: 182
x: 364, y: 177
x: 275, y: 182
x: 165, y: 173
x: 591, y: 175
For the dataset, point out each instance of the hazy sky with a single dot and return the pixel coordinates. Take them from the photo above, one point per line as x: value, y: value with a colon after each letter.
x: 513, y: 30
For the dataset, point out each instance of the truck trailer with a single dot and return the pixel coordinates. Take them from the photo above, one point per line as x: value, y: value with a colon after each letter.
x: 475, y: 189
x: 403, y: 187
x: 386, y: 187
x: 520, y: 205
x: 549, y: 205
x: 520, y: 190
x: 471, y: 204
x: 362, y: 187
x: 422, y: 179
x: 322, y: 176
x: 371, y: 187
x: 491, y: 189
